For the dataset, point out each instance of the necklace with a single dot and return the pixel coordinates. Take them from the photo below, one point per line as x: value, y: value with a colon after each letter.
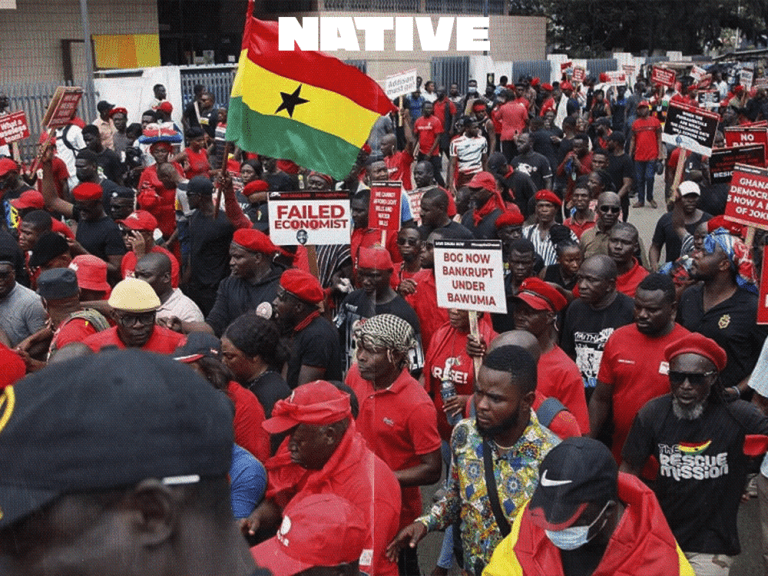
x: 504, y: 448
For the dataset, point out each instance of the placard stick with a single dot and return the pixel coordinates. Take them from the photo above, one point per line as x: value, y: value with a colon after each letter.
x: 224, y: 159
x: 384, y: 238
x: 750, y: 237
x: 312, y: 257
x: 473, y: 329
x: 678, y: 172
x: 46, y: 143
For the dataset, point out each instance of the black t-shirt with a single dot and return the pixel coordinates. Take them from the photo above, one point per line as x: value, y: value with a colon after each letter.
x: 665, y: 235
x: 460, y: 231
x: 519, y: 188
x: 209, y: 241
x: 702, y: 468
x: 554, y: 274
x: 486, y: 229
x: 536, y: 166
x: 542, y: 143
x: 714, y: 197
x: 107, y: 187
x: 279, y: 182
x: 318, y: 346
x: 358, y: 306
x: 620, y: 167
x: 236, y: 296
x: 101, y: 238
x: 208, y: 121
x: 731, y: 324
x: 268, y: 389
x: 586, y: 331
x: 110, y: 165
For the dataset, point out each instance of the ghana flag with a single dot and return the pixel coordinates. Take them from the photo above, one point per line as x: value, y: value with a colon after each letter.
x: 303, y: 106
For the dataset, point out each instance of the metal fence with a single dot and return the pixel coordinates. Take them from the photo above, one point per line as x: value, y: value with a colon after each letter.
x: 600, y: 65
x: 541, y: 69
x: 464, y: 6
x: 373, y: 5
x: 450, y: 69
x: 216, y: 79
x: 34, y: 99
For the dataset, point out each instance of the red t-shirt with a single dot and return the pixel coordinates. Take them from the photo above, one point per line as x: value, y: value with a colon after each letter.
x: 74, y: 330
x: 400, y: 425
x: 249, y: 414
x: 513, y: 116
x: 157, y: 199
x: 440, y: 109
x: 128, y: 265
x: 627, y: 283
x: 427, y: 129
x: 13, y: 366
x: 162, y: 341
x: 451, y: 343
x: 424, y: 303
x: 559, y: 377
x: 646, y: 132
x: 579, y: 229
x: 633, y: 364
x: 399, y: 168
x: 564, y: 424
x: 198, y: 163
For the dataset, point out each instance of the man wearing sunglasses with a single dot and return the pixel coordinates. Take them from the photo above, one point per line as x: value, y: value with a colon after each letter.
x: 596, y: 239
x: 698, y: 439
x: 134, y: 306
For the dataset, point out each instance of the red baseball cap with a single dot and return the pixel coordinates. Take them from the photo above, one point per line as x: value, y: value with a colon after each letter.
x: 643, y: 103
x: 165, y: 106
x: 91, y: 272
x: 483, y: 180
x: 316, y: 403
x: 302, y: 285
x: 139, y: 220
x: 541, y: 295
x: 7, y: 165
x: 60, y: 228
x: 318, y: 530
x: 29, y: 199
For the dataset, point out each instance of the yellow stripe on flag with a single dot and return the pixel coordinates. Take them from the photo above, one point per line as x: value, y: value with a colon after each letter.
x: 326, y: 110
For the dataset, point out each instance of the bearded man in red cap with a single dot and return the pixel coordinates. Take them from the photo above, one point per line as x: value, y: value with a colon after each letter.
x: 137, y: 230
x: 698, y: 440
x: 314, y: 343
x: 325, y: 454
x: 375, y: 296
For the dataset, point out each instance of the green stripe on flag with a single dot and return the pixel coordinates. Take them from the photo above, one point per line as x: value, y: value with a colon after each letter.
x: 287, y: 139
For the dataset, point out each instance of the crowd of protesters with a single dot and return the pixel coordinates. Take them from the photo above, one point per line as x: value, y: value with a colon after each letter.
x: 606, y: 424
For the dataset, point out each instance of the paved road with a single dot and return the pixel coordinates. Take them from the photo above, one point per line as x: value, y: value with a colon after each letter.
x: 749, y: 562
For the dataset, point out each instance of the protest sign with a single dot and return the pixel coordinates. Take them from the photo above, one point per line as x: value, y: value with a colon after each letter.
x: 315, y: 218
x: 690, y: 128
x: 697, y: 72
x: 400, y: 84
x: 723, y: 160
x: 62, y: 106
x: 709, y: 98
x: 629, y: 69
x: 740, y: 135
x: 745, y: 78
x: 762, y: 303
x: 616, y: 78
x: 13, y: 127
x: 566, y: 67
x: 748, y: 197
x: 579, y: 74
x: 384, y: 209
x: 761, y: 82
x: 414, y: 199
x: 469, y: 275
x: 663, y: 76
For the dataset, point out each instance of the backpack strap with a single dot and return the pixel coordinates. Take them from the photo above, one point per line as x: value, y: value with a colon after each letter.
x: 550, y: 408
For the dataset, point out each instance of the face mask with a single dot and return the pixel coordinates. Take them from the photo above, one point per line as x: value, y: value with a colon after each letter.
x: 472, y: 89
x: 575, y: 536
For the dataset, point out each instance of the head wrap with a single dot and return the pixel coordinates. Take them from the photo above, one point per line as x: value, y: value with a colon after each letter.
x: 738, y: 254
x: 316, y: 403
x: 328, y: 179
x: 387, y: 331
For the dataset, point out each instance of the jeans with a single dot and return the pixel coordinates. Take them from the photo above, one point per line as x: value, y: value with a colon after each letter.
x: 645, y: 172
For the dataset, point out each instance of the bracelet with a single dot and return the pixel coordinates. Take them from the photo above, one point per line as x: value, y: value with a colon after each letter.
x: 738, y: 392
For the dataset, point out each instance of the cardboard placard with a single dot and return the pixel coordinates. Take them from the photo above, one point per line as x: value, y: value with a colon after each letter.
x: 566, y: 67
x: 617, y: 78
x: 62, y: 106
x: 414, y: 199
x: 628, y: 68
x: 690, y: 128
x: 762, y: 302
x: 746, y: 78
x: 384, y: 209
x: 723, y: 160
x: 663, y: 76
x: 748, y: 197
x: 761, y: 82
x: 697, y: 72
x: 469, y: 275
x: 13, y: 127
x: 313, y: 218
x: 740, y: 135
x: 579, y: 74
x: 400, y: 84
x: 709, y: 98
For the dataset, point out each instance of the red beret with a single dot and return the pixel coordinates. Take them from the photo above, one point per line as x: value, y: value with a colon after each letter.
x: 483, y: 180
x: 720, y: 222
x: 548, y: 196
x: 254, y: 241
x: 302, y: 285
x: 566, y: 85
x: 316, y: 403
x: 165, y: 106
x: 535, y: 81
x: 375, y: 258
x: 695, y: 343
x: 479, y: 106
x: 547, y: 87
x: 87, y: 191
x: 255, y: 186
x: 541, y: 295
x: 510, y: 218
x: 139, y: 220
x: 60, y: 228
x: 118, y: 110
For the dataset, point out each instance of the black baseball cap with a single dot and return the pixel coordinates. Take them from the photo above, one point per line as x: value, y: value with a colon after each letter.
x: 198, y: 345
x: 575, y: 473
x: 108, y: 421
x: 48, y: 246
x: 57, y: 284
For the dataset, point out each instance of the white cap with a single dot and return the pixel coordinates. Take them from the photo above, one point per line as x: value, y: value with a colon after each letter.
x: 689, y: 187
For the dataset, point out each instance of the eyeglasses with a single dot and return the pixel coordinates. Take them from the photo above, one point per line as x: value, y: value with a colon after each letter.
x: 611, y: 209
x: 695, y: 378
x: 407, y: 241
x: 143, y: 318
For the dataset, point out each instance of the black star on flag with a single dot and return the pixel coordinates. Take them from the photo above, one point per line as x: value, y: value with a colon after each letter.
x: 290, y: 101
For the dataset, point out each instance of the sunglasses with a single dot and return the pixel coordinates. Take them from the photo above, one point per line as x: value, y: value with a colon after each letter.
x: 407, y: 241
x: 695, y: 378
x: 144, y: 319
x: 612, y: 209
